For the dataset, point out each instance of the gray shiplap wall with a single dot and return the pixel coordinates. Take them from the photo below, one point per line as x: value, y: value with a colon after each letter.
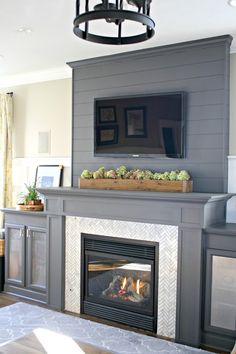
x: 200, y: 68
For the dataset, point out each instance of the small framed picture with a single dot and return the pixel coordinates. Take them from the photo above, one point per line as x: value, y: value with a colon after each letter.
x: 107, y: 135
x: 106, y: 114
x: 48, y: 176
x: 135, y: 122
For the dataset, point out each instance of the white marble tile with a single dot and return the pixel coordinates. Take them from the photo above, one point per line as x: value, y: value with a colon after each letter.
x: 166, y: 235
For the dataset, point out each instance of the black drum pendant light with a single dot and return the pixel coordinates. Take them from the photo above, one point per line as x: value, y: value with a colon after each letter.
x: 115, y: 13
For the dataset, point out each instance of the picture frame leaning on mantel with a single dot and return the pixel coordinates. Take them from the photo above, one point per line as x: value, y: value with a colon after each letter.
x: 48, y: 176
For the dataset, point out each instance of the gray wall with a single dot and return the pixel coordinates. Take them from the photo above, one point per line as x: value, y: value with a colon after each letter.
x: 200, y: 68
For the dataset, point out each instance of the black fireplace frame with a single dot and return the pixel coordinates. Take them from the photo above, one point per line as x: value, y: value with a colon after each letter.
x: 143, y: 321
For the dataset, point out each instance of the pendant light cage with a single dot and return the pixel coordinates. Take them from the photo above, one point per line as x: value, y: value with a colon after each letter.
x: 115, y: 13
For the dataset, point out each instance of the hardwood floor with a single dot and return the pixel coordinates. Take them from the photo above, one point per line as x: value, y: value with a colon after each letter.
x: 30, y: 344
x: 33, y: 344
x: 6, y: 300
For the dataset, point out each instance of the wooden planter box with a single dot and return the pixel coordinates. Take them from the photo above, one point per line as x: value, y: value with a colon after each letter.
x: 137, y: 185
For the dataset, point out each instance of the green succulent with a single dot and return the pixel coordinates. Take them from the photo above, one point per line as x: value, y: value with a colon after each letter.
x: 98, y: 174
x: 173, y: 175
x: 148, y: 175
x: 86, y: 174
x: 110, y: 174
x: 157, y: 176
x: 183, y: 175
x: 121, y: 171
x: 130, y: 174
x: 139, y: 174
x: 101, y: 171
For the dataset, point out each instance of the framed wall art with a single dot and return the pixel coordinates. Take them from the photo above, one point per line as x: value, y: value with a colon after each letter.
x: 107, y: 115
x: 48, y: 176
x: 107, y: 135
x: 135, y: 122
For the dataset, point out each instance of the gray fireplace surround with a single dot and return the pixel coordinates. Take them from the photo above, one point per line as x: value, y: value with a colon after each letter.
x: 190, y: 212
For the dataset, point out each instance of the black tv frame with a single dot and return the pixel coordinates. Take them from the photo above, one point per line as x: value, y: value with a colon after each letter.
x: 144, y: 155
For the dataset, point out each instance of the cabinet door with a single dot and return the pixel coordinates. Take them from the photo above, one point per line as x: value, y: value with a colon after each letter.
x: 15, y: 254
x: 221, y: 292
x: 36, y: 268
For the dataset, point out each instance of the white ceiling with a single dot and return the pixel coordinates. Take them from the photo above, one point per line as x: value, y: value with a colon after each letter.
x: 52, y: 42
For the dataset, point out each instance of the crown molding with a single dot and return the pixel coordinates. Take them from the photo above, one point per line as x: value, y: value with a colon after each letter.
x: 33, y: 77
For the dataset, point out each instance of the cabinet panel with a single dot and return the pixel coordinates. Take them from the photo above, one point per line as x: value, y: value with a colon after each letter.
x: 223, y: 292
x: 36, y: 258
x: 15, y: 254
x: 220, y: 301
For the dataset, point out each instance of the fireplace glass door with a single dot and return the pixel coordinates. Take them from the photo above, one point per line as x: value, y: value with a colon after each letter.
x: 120, y: 280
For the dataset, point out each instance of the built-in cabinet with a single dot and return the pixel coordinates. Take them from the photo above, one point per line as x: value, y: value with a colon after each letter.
x: 220, y: 286
x: 26, y: 255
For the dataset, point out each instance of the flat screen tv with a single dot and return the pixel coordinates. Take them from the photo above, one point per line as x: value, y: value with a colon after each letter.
x: 140, y: 126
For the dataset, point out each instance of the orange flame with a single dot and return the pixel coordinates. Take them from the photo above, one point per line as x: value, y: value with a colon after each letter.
x: 124, y: 283
x: 138, y: 286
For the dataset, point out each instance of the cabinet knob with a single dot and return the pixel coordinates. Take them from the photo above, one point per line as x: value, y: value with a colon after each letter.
x: 21, y: 232
x: 28, y: 233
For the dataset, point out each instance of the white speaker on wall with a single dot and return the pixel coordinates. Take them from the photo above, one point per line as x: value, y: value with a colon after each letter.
x: 44, y: 142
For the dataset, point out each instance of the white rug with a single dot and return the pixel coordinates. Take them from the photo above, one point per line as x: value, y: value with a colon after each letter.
x: 20, y: 319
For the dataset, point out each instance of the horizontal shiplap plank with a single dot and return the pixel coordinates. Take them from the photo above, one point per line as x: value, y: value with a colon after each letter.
x: 151, y: 76
x: 205, y: 155
x: 87, y: 161
x: 157, y: 61
x: 207, y: 126
x: 202, y: 112
x: 206, y: 83
x: 207, y: 141
x: 203, y: 98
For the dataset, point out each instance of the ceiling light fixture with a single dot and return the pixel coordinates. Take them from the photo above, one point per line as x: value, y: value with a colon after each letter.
x: 232, y: 3
x: 114, y: 12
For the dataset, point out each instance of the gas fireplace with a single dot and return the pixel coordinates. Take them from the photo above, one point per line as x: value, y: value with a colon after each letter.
x: 119, y: 278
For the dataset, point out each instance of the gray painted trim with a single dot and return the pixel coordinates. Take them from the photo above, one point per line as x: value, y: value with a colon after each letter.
x: 21, y: 229
x: 72, y: 127
x: 196, y: 198
x: 222, y: 229
x: 36, y: 214
x: 24, y: 292
x: 150, y: 51
x: 56, y: 291
x: 29, y: 258
x: 189, y: 287
x: 226, y: 120
x: 218, y: 341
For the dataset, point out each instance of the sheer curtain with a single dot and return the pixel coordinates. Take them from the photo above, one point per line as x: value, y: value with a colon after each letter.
x: 6, y: 113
